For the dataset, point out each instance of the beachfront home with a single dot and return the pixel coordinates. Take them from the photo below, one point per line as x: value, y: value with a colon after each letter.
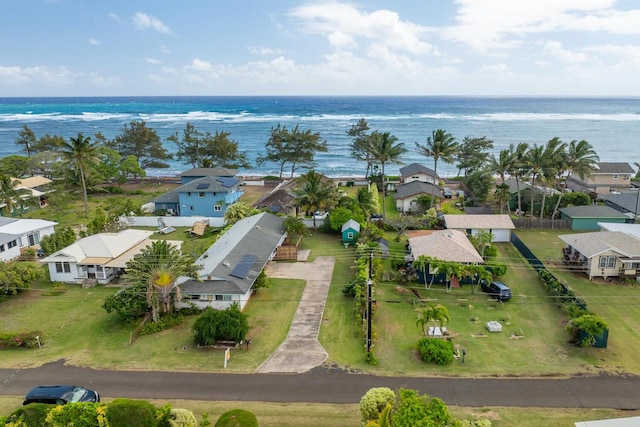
x: 99, y: 258
x: 417, y: 172
x: 603, y: 254
x: 37, y: 186
x: 499, y: 226
x: 16, y: 235
x: 195, y: 173
x: 607, y: 178
x: 230, y: 267
x: 207, y: 196
x: 280, y: 200
x: 406, y: 195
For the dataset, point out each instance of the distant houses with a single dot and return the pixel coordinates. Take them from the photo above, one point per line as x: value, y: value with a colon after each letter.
x: 607, y: 178
x: 18, y: 234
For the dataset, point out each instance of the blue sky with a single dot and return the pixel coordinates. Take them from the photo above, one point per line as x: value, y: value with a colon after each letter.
x: 286, y: 47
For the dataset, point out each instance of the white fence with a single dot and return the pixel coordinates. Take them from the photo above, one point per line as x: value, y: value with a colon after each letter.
x: 170, y: 221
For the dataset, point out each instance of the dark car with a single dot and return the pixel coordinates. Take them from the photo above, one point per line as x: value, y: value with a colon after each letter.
x: 498, y: 290
x: 447, y: 193
x: 60, y: 394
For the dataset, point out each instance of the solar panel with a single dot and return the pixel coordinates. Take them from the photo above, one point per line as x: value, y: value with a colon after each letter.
x: 227, y: 181
x: 202, y: 186
x: 242, y: 268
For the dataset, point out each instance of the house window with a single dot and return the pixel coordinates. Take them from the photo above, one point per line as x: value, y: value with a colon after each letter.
x: 12, y: 244
x: 615, y: 176
x: 626, y: 177
x: 350, y: 235
x: 2, y: 248
x: 607, y: 262
x: 223, y: 297
x: 33, y: 238
x: 217, y: 208
x: 63, y: 267
x: 190, y: 208
x: 201, y: 194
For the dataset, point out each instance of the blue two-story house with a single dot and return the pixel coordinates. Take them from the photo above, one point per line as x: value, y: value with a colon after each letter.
x: 207, y: 195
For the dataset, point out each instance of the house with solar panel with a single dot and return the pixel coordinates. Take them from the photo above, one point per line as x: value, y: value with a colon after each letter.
x: 204, y: 192
x: 230, y: 267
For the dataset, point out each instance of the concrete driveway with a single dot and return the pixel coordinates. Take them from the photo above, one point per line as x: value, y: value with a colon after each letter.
x: 301, y: 351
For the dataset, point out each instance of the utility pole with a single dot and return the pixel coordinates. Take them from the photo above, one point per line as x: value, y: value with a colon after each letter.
x: 369, y: 302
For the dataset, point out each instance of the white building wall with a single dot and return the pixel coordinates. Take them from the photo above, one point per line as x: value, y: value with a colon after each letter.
x: 71, y: 277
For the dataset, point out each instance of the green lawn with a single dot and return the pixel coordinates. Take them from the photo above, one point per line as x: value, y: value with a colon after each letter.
x: 614, y: 302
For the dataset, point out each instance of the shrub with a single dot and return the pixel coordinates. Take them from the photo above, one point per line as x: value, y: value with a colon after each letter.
x: 76, y: 414
x: 34, y: 414
x: 213, y: 325
x: 592, y: 326
x: 19, y: 339
x: 434, y: 350
x: 374, y: 401
x: 182, y: 418
x: 166, y: 321
x: 237, y: 418
x: 131, y: 413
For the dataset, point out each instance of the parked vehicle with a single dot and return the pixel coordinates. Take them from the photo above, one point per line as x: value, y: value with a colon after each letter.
x: 446, y: 192
x: 497, y: 290
x: 60, y: 394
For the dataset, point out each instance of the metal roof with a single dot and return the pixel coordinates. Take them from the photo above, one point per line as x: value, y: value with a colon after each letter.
x: 415, y: 188
x: 414, y: 168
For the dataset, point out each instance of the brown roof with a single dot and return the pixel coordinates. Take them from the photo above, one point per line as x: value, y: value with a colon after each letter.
x: 445, y: 245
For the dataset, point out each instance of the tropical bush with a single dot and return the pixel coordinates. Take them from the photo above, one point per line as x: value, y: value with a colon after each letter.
x: 374, y: 401
x: 237, y: 418
x: 213, y: 325
x: 131, y: 413
x: 182, y: 418
x: 19, y: 339
x: 434, y: 350
x: 34, y: 414
x: 77, y: 414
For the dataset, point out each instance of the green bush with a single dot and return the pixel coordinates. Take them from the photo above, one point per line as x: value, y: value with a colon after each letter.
x: 76, y: 414
x: 166, y: 321
x: 374, y: 401
x: 592, y: 326
x: 32, y: 415
x: 182, y: 418
x: 434, y: 350
x: 237, y: 418
x: 131, y: 413
x: 213, y: 325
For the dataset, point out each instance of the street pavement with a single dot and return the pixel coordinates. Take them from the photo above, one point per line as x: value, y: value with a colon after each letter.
x: 332, y: 385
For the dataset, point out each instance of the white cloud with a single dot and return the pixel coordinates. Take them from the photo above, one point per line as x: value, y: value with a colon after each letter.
x: 151, y: 60
x: 115, y: 17
x: 342, y: 40
x: 502, y: 24
x: 263, y: 51
x: 554, y: 49
x: 342, y: 23
x: 146, y: 22
x: 199, y: 65
x: 94, y: 41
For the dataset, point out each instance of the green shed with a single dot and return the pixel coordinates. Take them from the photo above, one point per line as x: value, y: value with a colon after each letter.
x: 350, y: 231
x: 588, y: 217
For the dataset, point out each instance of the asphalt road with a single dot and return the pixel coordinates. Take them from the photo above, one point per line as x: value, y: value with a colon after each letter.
x: 326, y: 385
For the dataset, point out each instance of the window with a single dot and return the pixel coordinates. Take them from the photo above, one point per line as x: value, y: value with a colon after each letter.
x: 223, y: 297
x: 190, y: 208
x: 33, y: 238
x: 350, y: 235
x: 12, y: 244
x: 626, y: 177
x: 201, y: 194
x: 615, y: 176
x: 607, y: 262
x: 63, y: 267
x: 2, y: 248
x: 189, y: 193
x: 217, y: 208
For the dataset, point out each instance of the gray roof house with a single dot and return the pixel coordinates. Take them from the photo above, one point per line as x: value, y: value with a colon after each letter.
x: 627, y: 202
x: 408, y: 192
x: 230, y: 266
x: 602, y: 253
x: 587, y: 217
x: 417, y: 172
x: 607, y: 177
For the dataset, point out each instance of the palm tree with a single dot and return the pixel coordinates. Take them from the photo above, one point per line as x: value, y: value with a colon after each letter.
x: 554, y: 163
x: 11, y: 196
x: 385, y: 149
x: 582, y: 159
x: 503, y: 163
x: 81, y: 154
x: 440, y: 145
x: 434, y: 313
x: 314, y: 193
x: 535, y: 163
x: 157, y: 267
x: 518, y: 168
x: 365, y: 201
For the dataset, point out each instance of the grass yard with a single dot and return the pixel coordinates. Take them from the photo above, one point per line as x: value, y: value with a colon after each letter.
x: 616, y: 303
x: 74, y: 327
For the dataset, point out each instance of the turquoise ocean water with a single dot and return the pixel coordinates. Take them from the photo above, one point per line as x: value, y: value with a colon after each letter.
x: 612, y: 126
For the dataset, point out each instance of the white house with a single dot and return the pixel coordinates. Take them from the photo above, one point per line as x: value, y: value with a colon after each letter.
x: 18, y: 234
x: 101, y: 257
x: 499, y: 226
x: 230, y: 266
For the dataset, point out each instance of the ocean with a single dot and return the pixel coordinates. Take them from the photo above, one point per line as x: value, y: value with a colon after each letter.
x: 611, y: 125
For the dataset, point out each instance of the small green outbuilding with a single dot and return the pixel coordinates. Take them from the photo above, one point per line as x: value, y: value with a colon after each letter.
x: 588, y: 217
x: 350, y: 231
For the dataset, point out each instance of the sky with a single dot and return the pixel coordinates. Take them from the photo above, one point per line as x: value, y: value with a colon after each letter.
x: 285, y: 47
